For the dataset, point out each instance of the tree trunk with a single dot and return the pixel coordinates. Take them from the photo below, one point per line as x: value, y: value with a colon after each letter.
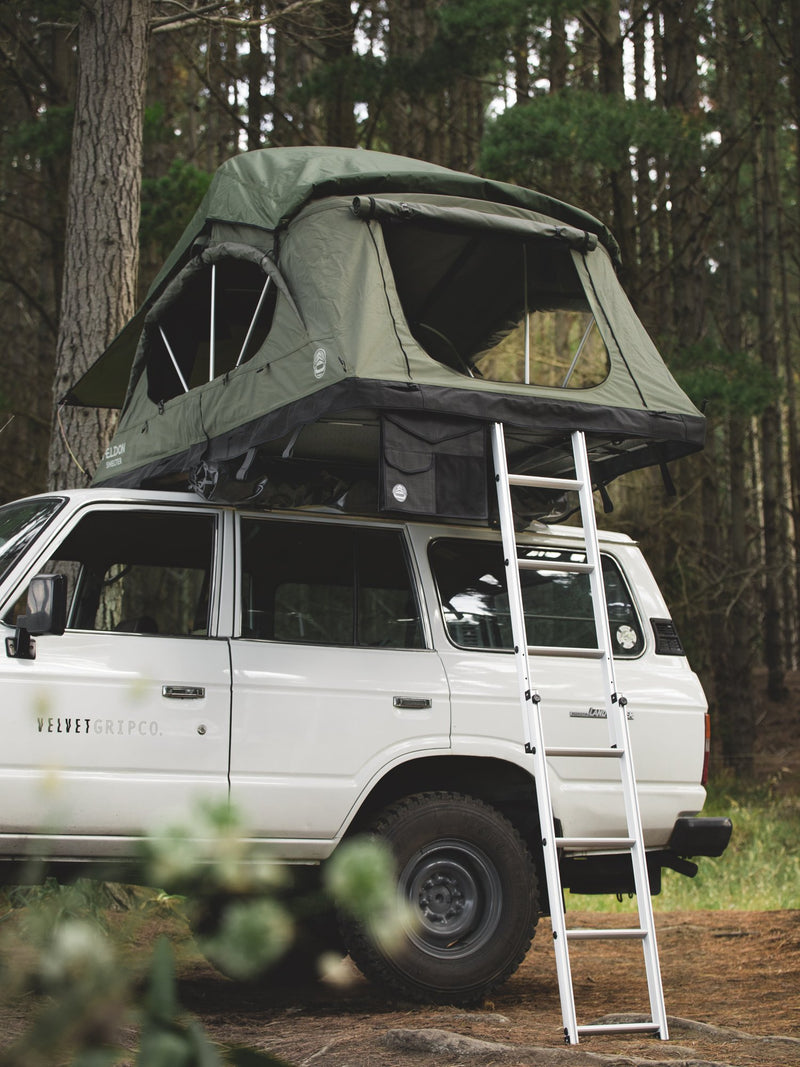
x: 687, y: 216
x: 101, y: 253
x: 765, y: 166
x: 612, y: 85
x: 413, y: 122
x: 256, y: 73
x: 644, y: 193
x: 337, y: 43
x: 771, y: 421
x: 661, y: 298
x: 734, y: 714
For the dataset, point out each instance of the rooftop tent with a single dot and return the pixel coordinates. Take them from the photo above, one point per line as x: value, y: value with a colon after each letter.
x: 332, y: 313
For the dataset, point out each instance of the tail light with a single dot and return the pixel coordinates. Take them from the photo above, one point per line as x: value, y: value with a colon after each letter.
x: 706, y: 751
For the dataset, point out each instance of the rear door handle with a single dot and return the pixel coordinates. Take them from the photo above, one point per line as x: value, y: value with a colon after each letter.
x: 412, y: 703
x: 183, y: 692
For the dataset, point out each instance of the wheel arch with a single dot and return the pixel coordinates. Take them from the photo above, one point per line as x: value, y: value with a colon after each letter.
x: 499, y: 783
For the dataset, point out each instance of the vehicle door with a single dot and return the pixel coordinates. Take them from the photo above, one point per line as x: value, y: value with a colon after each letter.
x: 121, y: 722
x: 470, y: 578
x: 334, y: 678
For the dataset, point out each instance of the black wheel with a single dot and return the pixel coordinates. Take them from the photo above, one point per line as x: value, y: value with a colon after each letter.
x: 469, y: 883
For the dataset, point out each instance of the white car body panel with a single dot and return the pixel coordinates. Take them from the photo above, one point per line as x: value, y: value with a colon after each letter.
x: 313, y: 725
x: 92, y: 745
x: 297, y: 735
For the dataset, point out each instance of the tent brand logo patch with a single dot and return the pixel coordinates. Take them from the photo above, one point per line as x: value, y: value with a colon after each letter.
x: 400, y: 493
x: 320, y: 362
x: 113, y: 455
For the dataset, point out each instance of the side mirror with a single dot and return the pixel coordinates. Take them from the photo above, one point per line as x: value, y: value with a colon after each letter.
x: 47, y: 614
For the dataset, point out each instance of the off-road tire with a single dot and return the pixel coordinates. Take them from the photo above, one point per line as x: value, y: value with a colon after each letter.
x: 471, y: 885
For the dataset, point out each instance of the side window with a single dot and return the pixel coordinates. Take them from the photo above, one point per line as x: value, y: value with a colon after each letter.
x: 491, y: 305
x: 213, y: 317
x: 558, y: 605
x: 137, y: 572
x: 20, y: 524
x: 327, y: 585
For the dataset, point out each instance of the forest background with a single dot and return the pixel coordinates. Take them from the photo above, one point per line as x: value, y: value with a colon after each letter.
x: 677, y: 122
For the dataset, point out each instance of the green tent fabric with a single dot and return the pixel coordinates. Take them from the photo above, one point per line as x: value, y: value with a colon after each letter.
x: 318, y: 292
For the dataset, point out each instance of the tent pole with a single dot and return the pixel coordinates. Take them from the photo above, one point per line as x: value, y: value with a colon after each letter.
x: 211, y: 353
x: 577, y: 355
x: 174, y: 360
x: 527, y: 319
x: 254, y: 319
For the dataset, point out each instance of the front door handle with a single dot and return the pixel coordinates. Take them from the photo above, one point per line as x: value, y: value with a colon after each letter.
x: 183, y: 692
x: 412, y: 703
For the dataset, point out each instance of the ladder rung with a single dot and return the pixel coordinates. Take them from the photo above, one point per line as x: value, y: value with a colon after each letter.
x: 526, y: 564
x: 541, y: 481
x: 598, y: 843
x: 560, y: 650
x: 590, y: 753
x: 626, y: 933
x: 620, y: 1028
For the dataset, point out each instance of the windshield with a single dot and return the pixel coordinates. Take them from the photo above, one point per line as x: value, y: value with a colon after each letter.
x: 20, y: 523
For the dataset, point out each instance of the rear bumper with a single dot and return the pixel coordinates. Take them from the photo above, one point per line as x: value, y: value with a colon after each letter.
x: 699, y: 836
x: 691, y: 836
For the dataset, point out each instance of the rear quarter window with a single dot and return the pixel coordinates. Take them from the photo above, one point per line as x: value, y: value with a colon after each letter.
x: 470, y: 580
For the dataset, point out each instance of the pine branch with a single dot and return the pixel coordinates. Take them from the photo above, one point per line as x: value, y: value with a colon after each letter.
x: 205, y: 16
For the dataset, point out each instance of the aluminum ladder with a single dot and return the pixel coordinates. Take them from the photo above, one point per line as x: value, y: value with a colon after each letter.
x: 618, y: 750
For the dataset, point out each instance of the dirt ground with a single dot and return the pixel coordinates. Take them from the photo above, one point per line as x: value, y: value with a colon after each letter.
x: 738, y: 970
x: 731, y: 986
x: 722, y: 971
x: 735, y: 970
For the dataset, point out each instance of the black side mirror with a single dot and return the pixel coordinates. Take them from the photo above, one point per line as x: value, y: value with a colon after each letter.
x: 47, y: 614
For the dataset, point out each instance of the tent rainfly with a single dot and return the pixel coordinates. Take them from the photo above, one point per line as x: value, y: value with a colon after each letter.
x: 336, y: 318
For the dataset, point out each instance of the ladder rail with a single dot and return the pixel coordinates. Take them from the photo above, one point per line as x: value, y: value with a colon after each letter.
x: 619, y: 739
x: 532, y: 733
x: 620, y: 734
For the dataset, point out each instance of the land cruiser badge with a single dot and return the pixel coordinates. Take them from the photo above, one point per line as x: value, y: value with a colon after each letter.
x: 597, y: 713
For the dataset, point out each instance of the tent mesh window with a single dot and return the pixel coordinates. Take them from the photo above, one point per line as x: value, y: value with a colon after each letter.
x: 218, y: 320
x: 496, y: 307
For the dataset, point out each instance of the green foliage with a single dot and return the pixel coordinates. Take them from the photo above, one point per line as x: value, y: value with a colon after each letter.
x: 474, y: 35
x: 578, y: 126
x: 70, y: 958
x: 64, y: 945
x: 50, y: 904
x: 169, y: 202
x: 252, y: 935
x: 728, y: 383
x: 167, y: 1040
x: 360, y: 876
x: 759, y: 871
x: 46, y: 139
x: 66, y: 11
x: 211, y: 849
x: 467, y: 38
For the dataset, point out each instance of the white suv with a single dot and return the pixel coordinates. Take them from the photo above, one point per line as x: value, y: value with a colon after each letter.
x: 331, y: 675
